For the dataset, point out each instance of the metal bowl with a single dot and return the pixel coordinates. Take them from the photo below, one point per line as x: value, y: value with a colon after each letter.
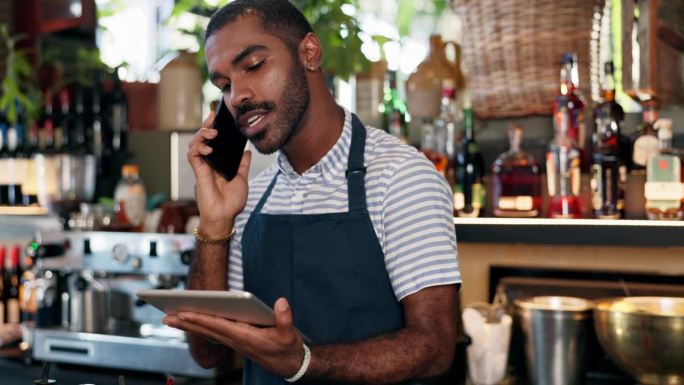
x: 644, y: 335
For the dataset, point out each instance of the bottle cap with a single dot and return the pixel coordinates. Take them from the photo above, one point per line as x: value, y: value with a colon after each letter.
x: 664, y: 127
x: 608, y: 68
x: 130, y: 170
x: 569, y: 58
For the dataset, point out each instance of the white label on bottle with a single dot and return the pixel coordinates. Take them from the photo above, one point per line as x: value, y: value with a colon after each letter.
x: 664, y: 191
x: 134, y: 209
x: 459, y: 200
x: 519, y: 203
x: 13, y: 311
x: 644, y: 147
x: 550, y: 174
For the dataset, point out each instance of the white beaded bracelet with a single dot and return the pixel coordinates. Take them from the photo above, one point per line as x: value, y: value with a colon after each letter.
x: 304, y: 367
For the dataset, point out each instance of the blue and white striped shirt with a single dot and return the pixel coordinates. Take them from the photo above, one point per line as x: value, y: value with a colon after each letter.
x: 409, y: 203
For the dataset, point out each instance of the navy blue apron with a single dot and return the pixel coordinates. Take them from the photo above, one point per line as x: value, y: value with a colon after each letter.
x: 330, y: 267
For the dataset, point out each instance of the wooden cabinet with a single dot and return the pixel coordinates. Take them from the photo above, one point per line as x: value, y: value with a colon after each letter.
x: 34, y: 18
x: 653, y: 49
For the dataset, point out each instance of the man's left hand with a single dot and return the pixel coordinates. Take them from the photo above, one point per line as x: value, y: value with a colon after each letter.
x: 277, y: 349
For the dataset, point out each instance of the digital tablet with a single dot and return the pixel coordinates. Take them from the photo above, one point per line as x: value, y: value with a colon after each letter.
x: 234, y: 305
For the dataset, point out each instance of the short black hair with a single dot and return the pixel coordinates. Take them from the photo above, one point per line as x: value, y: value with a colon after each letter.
x: 279, y: 18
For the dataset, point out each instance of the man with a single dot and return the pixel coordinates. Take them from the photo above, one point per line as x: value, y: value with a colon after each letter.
x: 349, y: 234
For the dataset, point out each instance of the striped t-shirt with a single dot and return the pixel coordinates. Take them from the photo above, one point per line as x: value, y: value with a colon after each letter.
x: 409, y: 203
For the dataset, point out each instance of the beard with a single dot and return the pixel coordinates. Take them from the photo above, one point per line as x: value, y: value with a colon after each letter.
x: 286, y: 115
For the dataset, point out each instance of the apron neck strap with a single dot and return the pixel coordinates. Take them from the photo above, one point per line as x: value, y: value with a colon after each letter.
x: 356, y: 171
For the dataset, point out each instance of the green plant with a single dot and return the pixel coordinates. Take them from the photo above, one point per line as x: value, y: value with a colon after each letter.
x: 18, y: 92
x: 339, y: 34
x: 338, y: 31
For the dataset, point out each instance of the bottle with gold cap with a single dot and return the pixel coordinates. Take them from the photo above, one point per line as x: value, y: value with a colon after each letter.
x: 130, y: 198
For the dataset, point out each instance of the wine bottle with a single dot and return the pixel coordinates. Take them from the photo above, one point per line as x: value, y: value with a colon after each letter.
x: 12, y: 281
x: 469, y: 192
x: 609, y: 169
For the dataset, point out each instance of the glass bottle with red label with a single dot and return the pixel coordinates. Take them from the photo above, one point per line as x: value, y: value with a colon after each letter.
x: 571, y: 99
x: 563, y: 170
x: 664, y: 189
x: 516, y: 181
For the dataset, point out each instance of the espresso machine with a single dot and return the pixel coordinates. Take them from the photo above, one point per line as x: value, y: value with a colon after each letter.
x: 87, y: 310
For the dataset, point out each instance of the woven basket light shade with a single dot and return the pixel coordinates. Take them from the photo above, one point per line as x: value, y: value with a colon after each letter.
x: 512, y: 51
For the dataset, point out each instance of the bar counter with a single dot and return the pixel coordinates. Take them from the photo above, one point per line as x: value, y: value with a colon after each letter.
x: 631, y: 246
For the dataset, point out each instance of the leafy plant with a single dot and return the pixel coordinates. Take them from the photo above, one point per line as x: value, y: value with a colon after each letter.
x: 76, y: 63
x: 339, y: 34
x: 18, y: 92
x: 338, y: 31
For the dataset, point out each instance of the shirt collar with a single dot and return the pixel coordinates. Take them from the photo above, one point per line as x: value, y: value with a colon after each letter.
x: 333, y: 162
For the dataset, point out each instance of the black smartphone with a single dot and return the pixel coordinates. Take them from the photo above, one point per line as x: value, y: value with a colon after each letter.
x: 228, y: 145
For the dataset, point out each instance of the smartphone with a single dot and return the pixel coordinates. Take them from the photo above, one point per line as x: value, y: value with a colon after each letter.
x: 228, y: 145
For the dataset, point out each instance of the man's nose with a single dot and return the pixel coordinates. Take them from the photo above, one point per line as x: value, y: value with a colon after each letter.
x: 240, y: 93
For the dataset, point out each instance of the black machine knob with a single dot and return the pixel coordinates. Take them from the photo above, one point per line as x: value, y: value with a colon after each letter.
x: 86, y: 247
x: 153, y: 249
x: 186, y: 256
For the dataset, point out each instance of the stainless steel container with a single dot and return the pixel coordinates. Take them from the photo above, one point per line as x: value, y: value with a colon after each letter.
x: 555, y: 330
x: 88, y: 304
x: 644, y: 335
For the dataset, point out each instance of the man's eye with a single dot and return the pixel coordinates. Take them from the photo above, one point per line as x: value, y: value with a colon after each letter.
x: 255, y: 67
x: 225, y: 88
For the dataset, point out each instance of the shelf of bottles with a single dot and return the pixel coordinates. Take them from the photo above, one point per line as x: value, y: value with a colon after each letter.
x: 70, y: 154
x: 588, y: 172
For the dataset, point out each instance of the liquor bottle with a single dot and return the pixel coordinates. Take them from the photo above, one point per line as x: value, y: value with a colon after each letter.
x: 2, y: 285
x: 469, y: 191
x: 78, y: 121
x: 516, y: 180
x: 12, y: 281
x: 643, y: 144
x: 645, y: 140
x: 62, y: 122
x: 130, y: 198
x: 571, y: 99
x: 445, y: 125
x: 94, y: 133
x: 118, y: 105
x: 16, y: 166
x: 393, y: 109
x: 30, y: 148
x: 664, y: 189
x: 45, y: 158
x: 609, y: 169
x: 4, y: 161
x: 429, y: 146
x: 562, y: 169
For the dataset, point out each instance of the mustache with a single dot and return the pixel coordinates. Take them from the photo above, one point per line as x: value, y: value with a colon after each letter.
x: 248, y: 107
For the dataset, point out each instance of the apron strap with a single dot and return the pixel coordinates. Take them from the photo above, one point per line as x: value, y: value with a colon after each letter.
x: 356, y: 171
x: 265, y: 195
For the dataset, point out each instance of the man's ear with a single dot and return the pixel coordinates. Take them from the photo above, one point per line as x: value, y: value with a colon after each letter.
x: 310, y: 53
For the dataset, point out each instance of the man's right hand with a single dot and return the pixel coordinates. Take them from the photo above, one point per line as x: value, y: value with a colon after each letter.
x: 219, y: 201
